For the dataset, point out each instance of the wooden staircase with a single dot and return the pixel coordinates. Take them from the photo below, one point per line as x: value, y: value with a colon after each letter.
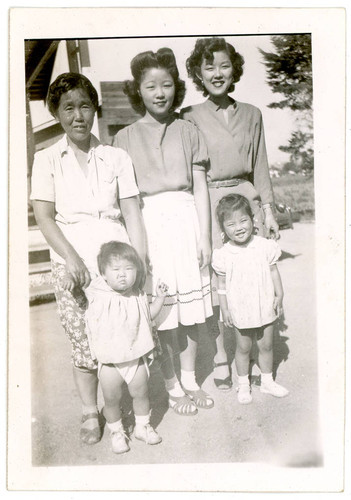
x: 40, y: 286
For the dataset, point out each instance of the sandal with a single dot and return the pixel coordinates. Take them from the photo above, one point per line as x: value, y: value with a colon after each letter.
x: 91, y: 436
x: 200, y: 398
x: 182, y: 405
x: 223, y: 384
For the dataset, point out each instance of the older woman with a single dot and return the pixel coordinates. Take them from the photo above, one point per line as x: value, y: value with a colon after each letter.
x: 80, y: 191
x: 236, y: 145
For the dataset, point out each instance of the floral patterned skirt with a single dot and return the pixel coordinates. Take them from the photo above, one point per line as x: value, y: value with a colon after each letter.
x: 71, y: 308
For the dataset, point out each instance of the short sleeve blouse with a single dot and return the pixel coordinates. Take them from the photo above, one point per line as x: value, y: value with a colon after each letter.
x: 87, y: 207
x: 57, y: 177
x: 164, y: 155
x: 236, y: 148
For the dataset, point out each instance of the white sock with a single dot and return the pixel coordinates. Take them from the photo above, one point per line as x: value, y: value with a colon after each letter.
x: 173, y: 387
x: 89, y: 409
x: 142, y: 420
x: 243, y: 380
x: 266, y: 378
x: 115, y: 426
x: 188, y: 380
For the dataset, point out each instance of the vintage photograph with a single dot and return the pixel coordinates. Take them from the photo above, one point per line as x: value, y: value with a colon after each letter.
x: 172, y: 245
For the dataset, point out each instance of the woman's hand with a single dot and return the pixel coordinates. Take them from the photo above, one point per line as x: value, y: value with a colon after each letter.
x: 44, y: 212
x: 271, y: 225
x: 78, y: 270
x: 227, y: 318
x: 204, y: 252
x: 278, y: 306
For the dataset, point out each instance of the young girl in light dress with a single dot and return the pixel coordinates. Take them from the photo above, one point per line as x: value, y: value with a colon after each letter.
x: 170, y: 161
x: 119, y: 328
x: 250, y: 291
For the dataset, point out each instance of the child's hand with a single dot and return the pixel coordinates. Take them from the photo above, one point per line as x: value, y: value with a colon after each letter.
x: 161, y: 289
x: 278, y: 306
x: 227, y: 319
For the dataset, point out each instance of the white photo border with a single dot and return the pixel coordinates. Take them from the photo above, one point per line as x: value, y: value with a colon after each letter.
x: 329, y: 117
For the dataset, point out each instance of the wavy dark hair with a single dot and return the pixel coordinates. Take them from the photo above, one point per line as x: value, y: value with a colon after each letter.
x: 164, y: 58
x: 66, y: 82
x: 229, y: 204
x: 121, y: 250
x: 203, y: 51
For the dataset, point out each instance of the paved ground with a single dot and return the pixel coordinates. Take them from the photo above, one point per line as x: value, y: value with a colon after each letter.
x: 283, y: 432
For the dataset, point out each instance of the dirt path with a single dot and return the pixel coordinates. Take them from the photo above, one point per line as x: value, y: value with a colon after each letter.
x: 283, y: 432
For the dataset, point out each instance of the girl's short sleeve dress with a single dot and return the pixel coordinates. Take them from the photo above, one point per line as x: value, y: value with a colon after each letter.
x: 249, y: 284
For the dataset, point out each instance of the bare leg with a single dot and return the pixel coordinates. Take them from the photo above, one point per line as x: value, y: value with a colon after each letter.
x: 166, y: 358
x: 138, y: 389
x: 265, y: 356
x: 222, y: 371
x: 190, y: 340
x: 265, y: 349
x: 181, y: 404
x: 242, y: 362
x: 111, y: 385
x: 242, y: 353
x: 86, y: 383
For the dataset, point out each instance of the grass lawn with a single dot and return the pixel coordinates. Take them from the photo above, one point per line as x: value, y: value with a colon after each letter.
x: 296, y: 191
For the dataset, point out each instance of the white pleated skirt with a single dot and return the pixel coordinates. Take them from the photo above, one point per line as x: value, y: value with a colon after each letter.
x: 173, y: 232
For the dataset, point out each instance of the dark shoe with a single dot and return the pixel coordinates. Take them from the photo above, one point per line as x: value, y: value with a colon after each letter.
x: 226, y: 384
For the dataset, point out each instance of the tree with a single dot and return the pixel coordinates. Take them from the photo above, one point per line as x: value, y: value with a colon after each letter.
x: 289, y: 72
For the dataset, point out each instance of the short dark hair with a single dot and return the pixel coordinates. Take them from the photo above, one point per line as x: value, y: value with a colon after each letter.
x: 229, y: 204
x: 121, y: 250
x: 66, y: 82
x: 203, y: 51
x: 164, y: 58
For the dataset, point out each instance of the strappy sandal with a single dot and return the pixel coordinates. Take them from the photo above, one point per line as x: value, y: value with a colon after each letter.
x: 200, y: 398
x: 223, y: 384
x: 182, y: 405
x: 91, y: 436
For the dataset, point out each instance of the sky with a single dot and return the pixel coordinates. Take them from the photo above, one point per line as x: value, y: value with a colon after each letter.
x: 110, y: 61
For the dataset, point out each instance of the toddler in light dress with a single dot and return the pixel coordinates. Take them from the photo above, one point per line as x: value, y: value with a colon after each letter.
x: 250, y: 291
x: 119, y: 328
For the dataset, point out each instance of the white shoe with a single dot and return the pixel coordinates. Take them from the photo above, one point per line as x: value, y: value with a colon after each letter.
x: 274, y: 389
x: 244, y: 394
x: 147, y: 434
x: 119, y: 442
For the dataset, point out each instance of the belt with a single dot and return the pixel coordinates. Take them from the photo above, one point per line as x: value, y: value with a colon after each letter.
x: 226, y: 183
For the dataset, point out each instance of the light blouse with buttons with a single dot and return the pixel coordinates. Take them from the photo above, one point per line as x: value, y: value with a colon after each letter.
x: 86, y: 206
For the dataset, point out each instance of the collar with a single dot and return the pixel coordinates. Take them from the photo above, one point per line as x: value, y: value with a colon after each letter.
x: 239, y: 248
x: 215, y: 107
x: 95, y: 146
x: 170, y: 119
